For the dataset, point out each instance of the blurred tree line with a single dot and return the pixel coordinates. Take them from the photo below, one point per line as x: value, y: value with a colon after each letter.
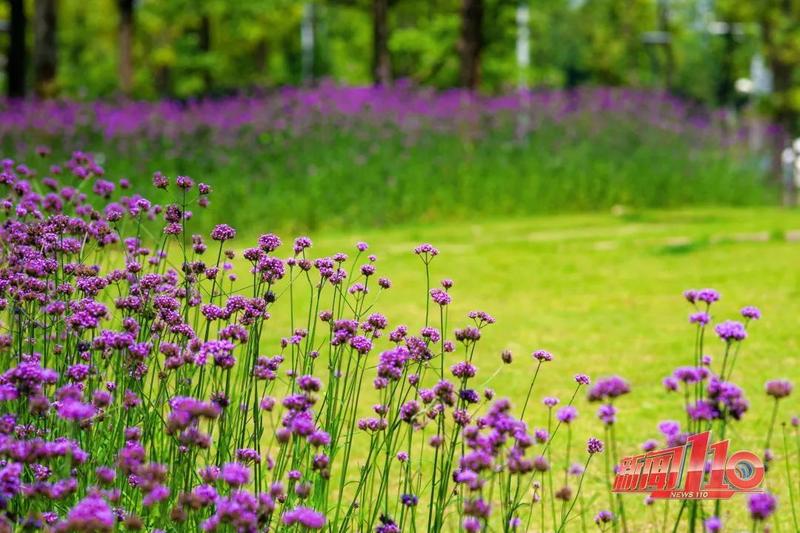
x: 186, y: 48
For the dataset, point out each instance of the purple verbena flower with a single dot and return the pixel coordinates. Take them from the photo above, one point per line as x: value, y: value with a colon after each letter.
x: 701, y: 318
x: 223, y: 232
x: 235, y: 474
x: 567, y: 414
x: 305, y: 517
x: 603, y: 517
x: 90, y: 514
x: 761, y: 505
x: 708, y: 296
x: 731, y: 331
x: 779, y: 388
x: 607, y: 413
x: 713, y: 524
x: 750, y: 313
x: 594, y: 445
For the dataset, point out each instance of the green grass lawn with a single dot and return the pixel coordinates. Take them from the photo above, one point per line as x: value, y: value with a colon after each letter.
x: 603, y: 293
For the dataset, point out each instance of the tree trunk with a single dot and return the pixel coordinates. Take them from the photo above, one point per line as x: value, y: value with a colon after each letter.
x: 785, y: 116
x: 17, y: 55
x: 205, y: 47
x: 470, y: 43
x: 261, y: 56
x: 726, y: 82
x: 163, y: 81
x: 45, y: 48
x: 783, y: 77
x: 381, y: 60
x: 125, y: 45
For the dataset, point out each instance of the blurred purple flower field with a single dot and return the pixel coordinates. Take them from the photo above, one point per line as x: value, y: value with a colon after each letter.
x: 377, y: 150
x: 293, y: 110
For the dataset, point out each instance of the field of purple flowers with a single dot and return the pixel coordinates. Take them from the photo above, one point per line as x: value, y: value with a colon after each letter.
x: 159, y: 374
x: 399, y: 155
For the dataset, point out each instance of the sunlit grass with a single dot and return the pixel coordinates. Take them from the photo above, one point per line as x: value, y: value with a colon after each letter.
x: 604, y: 294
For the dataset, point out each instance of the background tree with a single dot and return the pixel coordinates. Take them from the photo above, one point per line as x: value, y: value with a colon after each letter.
x: 126, y: 32
x: 470, y: 43
x: 204, y: 46
x: 17, y: 53
x: 381, y: 58
x: 776, y: 25
x: 184, y: 49
x: 45, y: 49
x: 779, y: 22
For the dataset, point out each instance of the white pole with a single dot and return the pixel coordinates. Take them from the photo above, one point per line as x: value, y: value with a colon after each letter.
x: 523, y: 66
x: 307, y: 42
x: 523, y: 43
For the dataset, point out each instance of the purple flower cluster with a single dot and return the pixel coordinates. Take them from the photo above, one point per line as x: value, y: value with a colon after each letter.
x: 731, y: 331
x: 762, y: 505
x: 779, y: 388
x: 608, y: 389
x: 594, y: 445
x: 304, y: 517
